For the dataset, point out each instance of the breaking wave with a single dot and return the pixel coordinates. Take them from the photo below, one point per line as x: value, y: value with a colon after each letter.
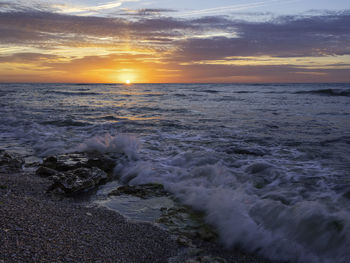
x: 108, y: 144
x: 327, y: 92
x: 251, y: 205
x: 71, y: 93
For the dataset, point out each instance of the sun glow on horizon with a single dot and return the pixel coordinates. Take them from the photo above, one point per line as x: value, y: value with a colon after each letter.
x: 128, y: 76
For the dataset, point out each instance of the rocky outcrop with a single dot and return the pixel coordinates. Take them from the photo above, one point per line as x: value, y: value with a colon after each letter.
x: 77, y: 180
x: 67, y: 162
x: 143, y: 191
x: 10, y: 162
x: 77, y: 172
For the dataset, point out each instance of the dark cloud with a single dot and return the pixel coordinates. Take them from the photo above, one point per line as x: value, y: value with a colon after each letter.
x: 44, y: 22
x: 179, y: 42
x: 31, y: 26
x: 266, y: 73
x: 285, y: 36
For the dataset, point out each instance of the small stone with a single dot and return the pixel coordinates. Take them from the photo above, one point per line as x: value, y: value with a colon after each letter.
x: 45, y: 171
x: 184, y: 241
x: 206, y: 259
x: 347, y: 194
x: 206, y: 234
x: 10, y: 161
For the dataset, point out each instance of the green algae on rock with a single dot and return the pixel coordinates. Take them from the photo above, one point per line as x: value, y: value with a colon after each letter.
x: 143, y: 191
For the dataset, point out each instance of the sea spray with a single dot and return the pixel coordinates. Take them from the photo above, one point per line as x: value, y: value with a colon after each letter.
x: 121, y: 143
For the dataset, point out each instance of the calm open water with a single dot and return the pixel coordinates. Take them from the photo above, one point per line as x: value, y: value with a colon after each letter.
x: 268, y: 164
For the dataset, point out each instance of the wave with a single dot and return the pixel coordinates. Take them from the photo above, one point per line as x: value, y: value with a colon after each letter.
x: 210, y: 91
x: 72, y: 93
x: 110, y: 118
x: 121, y: 143
x: 65, y: 123
x: 244, y: 91
x: 327, y: 92
x: 180, y: 95
x: 251, y: 207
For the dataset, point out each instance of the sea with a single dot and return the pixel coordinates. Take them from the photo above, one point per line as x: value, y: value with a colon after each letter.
x: 267, y: 164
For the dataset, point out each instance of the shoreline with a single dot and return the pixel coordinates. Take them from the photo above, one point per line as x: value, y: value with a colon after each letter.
x: 38, y: 227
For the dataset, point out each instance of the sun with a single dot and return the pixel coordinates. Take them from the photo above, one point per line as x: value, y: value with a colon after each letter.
x: 126, y: 76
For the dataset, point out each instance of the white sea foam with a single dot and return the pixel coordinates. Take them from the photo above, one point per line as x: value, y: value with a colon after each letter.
x: 120, y: 143
x: 302, y: 231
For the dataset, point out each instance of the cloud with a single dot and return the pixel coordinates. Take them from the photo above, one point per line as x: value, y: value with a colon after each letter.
x: 284, y: 36
x: 28, y: 58
x: 145, y: 12
x: 326, y: 35
x: 233, y: 8
x: 64, y: 6
x: 69, y: 8
x: 190, y: 46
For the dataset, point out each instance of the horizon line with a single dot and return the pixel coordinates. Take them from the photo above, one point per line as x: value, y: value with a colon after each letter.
x: 142, y: 83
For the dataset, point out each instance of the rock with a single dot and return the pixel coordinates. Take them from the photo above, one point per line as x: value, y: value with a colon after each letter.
x: 336, y: 225
x: 186, y: 223
x: 76, y: 172
x: 258, y: 168
x: 103, y: 162
x: 43, y: 171
x: 77, y: 180
x: 206, y: 259
x: 63, y: 163
x: 347, y: 194
x: 10, y: 161
x: 184, y: 241
x: 206, y: 233
x: 143, y: 191
x: 194, y: 251
x: 71, y: 161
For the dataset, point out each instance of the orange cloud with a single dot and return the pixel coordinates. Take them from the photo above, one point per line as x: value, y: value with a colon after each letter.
x: 51, y: 47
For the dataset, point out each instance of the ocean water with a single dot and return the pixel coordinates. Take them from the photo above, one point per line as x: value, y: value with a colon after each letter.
x: 268, y: 164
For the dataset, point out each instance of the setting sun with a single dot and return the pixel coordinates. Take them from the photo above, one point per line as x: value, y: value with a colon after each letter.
x: 127, y: 81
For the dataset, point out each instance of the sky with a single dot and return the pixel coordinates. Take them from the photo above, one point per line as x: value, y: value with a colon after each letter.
x: 166, y: 41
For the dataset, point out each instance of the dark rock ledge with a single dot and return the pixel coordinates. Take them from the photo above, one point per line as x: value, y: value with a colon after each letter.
x: 74, y: 173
